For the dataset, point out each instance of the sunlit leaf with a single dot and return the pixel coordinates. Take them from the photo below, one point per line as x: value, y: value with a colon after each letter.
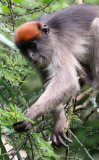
x: 7, y: 42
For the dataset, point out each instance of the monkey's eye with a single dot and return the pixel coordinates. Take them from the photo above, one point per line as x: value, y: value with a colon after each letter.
x: 33, y: 46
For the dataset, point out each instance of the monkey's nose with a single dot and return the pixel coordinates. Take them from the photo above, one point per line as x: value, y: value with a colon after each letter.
x: 32, y: 57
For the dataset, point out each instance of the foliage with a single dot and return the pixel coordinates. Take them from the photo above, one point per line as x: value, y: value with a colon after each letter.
x: 42, y: 149
x: 17, y: 78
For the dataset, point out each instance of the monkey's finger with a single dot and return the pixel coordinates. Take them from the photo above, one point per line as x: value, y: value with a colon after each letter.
x: 66, y: 138
x: 28, y: 127
x: 61, y: 141
x: 18, y: 123
x: 54, y: 140
x: 21, y: 127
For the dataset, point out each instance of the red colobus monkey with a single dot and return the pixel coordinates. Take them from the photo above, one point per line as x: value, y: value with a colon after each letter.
x: 67, y: 43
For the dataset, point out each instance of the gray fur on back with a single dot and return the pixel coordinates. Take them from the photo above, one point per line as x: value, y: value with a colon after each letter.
x: 72, y: 28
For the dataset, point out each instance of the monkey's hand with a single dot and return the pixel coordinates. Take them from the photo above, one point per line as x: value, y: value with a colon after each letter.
x: 23, y: 125
x: 58, y: 134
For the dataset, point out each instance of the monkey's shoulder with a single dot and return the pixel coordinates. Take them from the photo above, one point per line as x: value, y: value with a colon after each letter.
x: 81, y: 14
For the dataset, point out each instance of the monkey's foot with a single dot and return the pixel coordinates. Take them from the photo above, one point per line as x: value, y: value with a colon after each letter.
x: 59, y: 135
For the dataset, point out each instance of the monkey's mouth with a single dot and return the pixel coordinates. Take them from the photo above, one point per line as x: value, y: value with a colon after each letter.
x: 38, y: 61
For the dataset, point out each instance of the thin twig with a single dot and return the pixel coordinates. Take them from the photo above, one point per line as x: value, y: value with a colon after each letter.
x: 18, y: 149
x: 84, y: 105
x: 84, y: 148
x: 30, y: 145
x: 90, y: 114
x: 11, y: 12
x: 82, y: 95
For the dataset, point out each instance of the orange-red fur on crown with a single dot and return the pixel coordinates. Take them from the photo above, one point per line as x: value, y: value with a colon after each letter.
x: 28, y: 31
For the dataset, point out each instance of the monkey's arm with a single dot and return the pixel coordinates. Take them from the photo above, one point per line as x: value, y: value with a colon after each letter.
x: 58, y: 133
x: 57, y: 90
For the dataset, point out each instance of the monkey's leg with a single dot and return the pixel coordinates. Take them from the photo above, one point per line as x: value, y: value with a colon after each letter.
x: 95, y: 52
x: 59, y: 127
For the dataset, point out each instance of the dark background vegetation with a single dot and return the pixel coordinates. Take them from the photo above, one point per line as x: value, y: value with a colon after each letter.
x: 20, y: 87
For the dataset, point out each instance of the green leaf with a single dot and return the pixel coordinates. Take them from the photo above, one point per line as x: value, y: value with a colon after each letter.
x: 7, y: 42
x: 46, y: 149
x: 6, y: 85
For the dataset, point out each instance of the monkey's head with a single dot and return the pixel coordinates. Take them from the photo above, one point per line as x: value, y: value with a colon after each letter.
x: 32, y: 39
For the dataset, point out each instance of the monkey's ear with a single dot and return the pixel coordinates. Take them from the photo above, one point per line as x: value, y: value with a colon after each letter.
x: 45, y: 29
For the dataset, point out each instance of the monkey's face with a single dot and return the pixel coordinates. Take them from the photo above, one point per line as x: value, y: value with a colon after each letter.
x: 32, y: 40
x: 31, y: 51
